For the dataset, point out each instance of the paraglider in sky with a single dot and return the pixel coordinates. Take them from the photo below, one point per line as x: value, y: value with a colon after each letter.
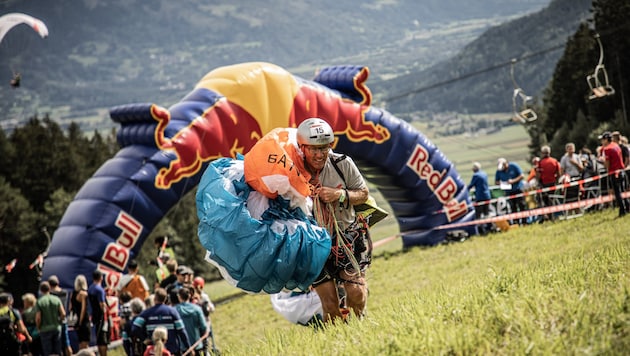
x: 165, y: 153
x: 8, y: 21
x: 17, y: 78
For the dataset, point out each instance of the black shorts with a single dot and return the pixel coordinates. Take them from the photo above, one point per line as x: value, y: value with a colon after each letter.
x: 357, y: 239
x: 102, y: 334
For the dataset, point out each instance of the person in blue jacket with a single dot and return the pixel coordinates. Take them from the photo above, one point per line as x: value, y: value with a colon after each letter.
x: 164, y: 315
x: 479, y: 182
x: 510, y: 177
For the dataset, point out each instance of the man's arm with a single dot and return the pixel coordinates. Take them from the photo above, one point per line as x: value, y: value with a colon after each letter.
x: 62, y: 312
x: 516, y: 179
x: 575, y: 160
x: 180, y: 330
x: 355, y: 196
x: 138, y: 328
x: 38, y: 320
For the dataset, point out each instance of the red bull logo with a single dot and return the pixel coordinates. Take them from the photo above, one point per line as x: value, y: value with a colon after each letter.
x: 229, y: 127
x: 223, y: 130
x: 345, y: 116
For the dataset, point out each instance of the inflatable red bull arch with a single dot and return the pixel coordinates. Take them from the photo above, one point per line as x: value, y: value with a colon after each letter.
x: 164, y: 153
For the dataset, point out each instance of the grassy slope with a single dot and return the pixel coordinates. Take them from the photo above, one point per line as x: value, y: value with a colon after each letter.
x: 555, y: 288
x: 547, y: 289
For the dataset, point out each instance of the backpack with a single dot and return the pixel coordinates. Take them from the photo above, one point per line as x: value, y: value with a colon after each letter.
x: 368, y: 211
x: 9, y: 343
x: 136, y: 288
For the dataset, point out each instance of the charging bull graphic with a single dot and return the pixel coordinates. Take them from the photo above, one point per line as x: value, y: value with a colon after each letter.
x: 164, y: 153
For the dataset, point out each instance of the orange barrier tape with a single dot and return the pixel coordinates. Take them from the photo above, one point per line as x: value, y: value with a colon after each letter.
x: 539, y: 211
x: 518, y: 215
x: 538, y: 191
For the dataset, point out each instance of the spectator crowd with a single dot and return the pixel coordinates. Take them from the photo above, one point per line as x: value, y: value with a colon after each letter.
x: 574, y: 176
x: 170, y: 318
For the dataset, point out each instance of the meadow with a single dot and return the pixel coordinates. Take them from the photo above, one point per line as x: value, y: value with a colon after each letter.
x: 555, y: 288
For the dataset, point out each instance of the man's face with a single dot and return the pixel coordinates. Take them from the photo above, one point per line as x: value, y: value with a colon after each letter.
x: 316, y: 156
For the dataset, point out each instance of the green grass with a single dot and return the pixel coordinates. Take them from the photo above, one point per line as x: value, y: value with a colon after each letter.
x: 560, y: 288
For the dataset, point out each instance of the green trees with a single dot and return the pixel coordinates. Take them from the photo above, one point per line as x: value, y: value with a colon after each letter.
x: 41, y: 168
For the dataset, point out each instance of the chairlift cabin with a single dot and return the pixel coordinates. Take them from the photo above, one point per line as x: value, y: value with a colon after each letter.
x: 523, y: 113
x: 598, y: 81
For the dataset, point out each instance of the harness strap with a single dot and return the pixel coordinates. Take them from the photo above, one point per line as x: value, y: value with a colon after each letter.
x: 343, y: 178
x: 350, y: 281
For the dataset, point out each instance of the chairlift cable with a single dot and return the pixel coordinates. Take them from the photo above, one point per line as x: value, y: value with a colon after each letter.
x: 472, y: 74
x: 491, y: 68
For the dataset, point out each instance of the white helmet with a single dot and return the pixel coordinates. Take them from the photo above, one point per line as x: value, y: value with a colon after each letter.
x: 314, y: 131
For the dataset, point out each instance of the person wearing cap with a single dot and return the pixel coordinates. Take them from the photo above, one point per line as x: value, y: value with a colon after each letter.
x: 612, y: 159
x: 201, y: 297
x: 337, y: 186
x: 548, y: 174
x: 479, y: 183
x: 184, y: 278
x: 509, y: 176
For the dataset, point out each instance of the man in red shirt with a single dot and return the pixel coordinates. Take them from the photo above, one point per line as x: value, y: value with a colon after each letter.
x: 613, y: 160
x: 547, y: 173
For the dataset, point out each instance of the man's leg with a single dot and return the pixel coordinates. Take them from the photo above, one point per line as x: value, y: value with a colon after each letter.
x: 327, y: 292
x: 356, y: 292
x: 617, y: 189
x: 46, y: 340
x: 56, y: 343
x: 102, y: 339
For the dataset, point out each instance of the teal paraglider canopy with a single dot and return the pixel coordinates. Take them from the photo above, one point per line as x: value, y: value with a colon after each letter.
x: 281, y: 248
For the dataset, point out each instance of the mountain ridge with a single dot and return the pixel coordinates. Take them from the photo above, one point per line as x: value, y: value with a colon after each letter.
x: 478, y: 78
x: 103, y: 54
